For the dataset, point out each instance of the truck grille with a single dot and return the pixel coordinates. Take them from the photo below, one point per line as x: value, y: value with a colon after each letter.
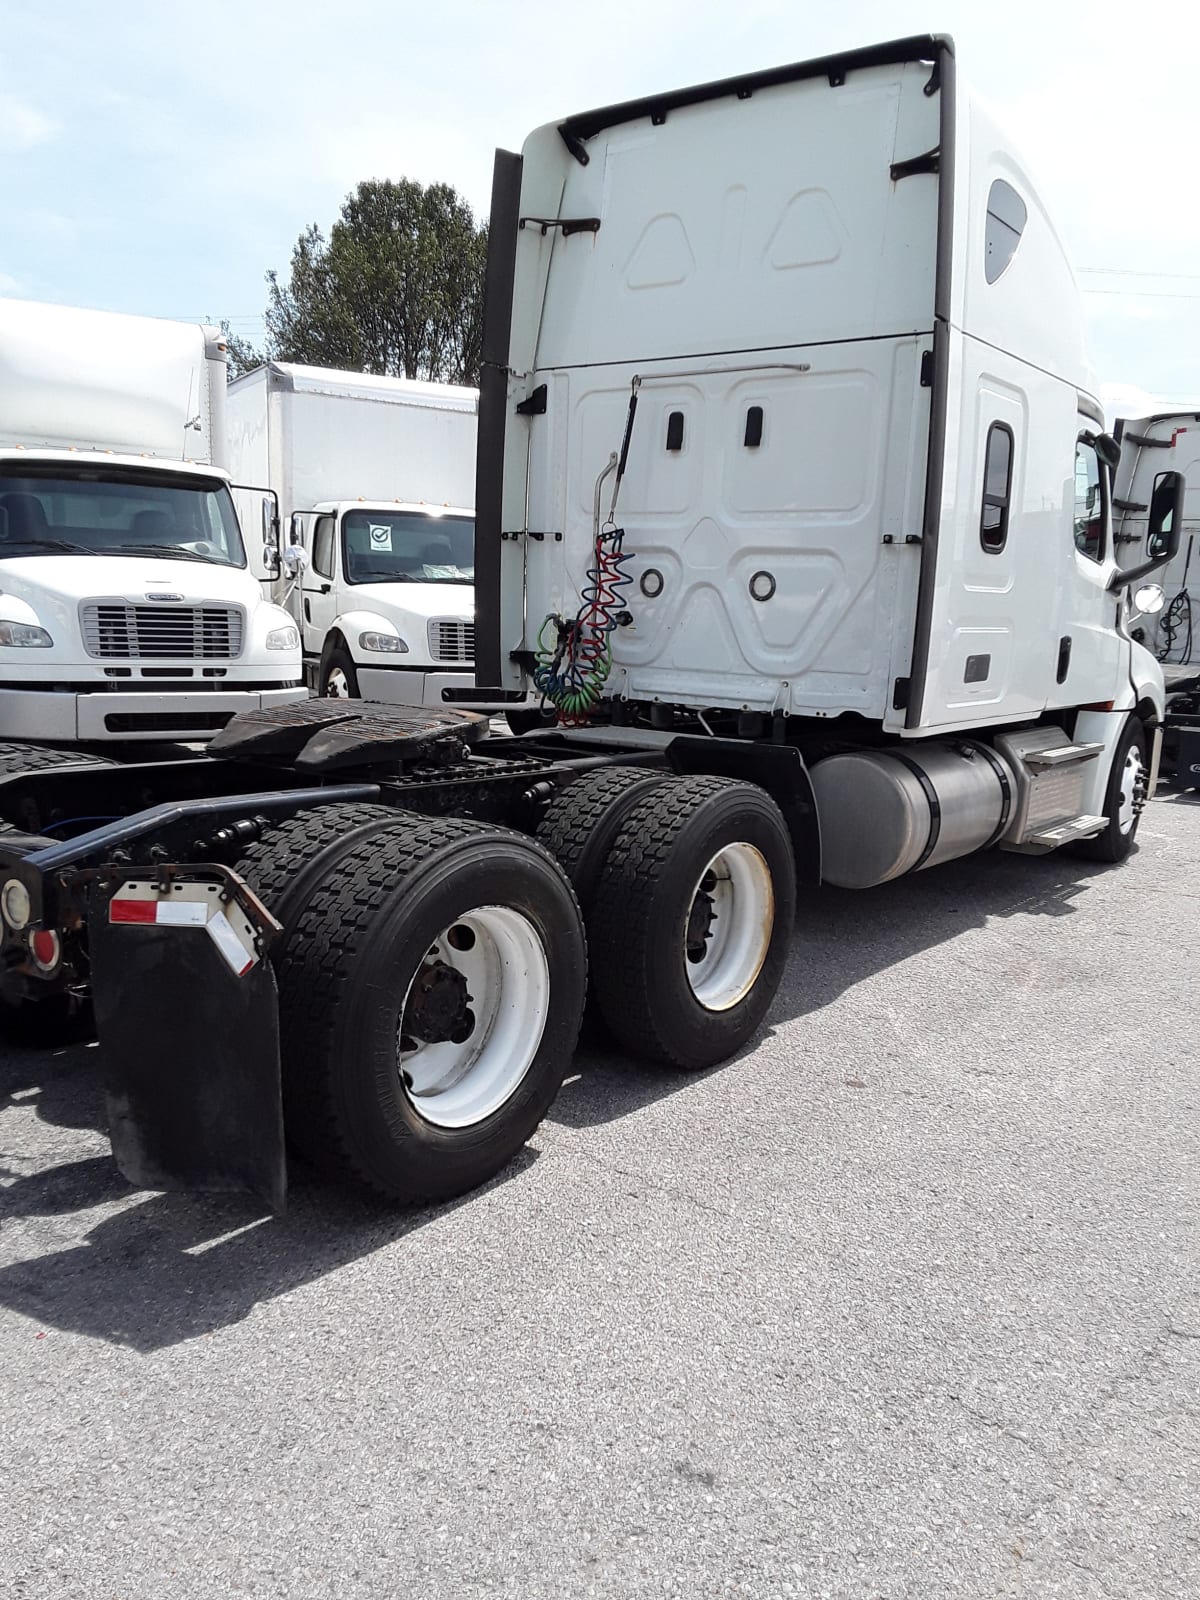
x: 113, y: 629
x: 452, y: 641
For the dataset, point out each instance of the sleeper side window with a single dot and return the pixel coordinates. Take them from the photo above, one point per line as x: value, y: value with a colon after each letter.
x: 1006, y: 216
x: 1089, y: 502
x: 997, y: 488
x: 322, y: 556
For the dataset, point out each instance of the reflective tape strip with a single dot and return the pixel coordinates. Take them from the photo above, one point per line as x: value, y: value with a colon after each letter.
x: 230, y: 946
x: 177, y: 913
x: 132, y: 911
x: 182, y: 913
x: 191, y: 905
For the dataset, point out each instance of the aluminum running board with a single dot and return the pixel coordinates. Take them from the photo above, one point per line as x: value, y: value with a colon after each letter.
x: 1065, y: 832
x: 1062, y: 755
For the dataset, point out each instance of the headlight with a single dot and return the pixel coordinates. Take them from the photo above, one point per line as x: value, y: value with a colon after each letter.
x: 283, y: 639
x: 24, y: 633
x: 382, y: 641
x: 16, y: 904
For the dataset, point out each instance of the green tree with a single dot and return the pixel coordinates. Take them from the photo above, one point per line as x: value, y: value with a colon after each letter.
x: 242, y: 356
x: 396, y: 289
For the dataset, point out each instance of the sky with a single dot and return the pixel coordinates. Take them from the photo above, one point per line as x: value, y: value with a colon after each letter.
x: 159, y: 159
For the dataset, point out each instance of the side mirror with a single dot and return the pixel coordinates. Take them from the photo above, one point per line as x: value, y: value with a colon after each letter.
x: 1149, y: 599
x: 1166, y: 516
x: 295, y: 559
x: 1162, y: 529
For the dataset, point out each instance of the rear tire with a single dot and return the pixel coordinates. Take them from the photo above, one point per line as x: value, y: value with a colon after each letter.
x: 285, y: 865
x: 1123, y: 800
x: 580, y: 823
x: 431, y: 983
x: 692, y: 920
x: 16, y: 758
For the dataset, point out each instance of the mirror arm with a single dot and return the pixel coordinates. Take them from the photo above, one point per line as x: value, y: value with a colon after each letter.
x: 1131, y: 575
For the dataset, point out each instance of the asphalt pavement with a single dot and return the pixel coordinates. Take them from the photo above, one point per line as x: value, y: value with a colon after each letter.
x: 903, y: 1302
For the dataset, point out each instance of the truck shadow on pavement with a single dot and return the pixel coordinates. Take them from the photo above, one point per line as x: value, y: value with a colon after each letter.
x: 154, y: 1270
x: 160, y: 1269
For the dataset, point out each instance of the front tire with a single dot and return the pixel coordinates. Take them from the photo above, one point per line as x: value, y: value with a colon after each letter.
x: 339, y: 676
x: 692, y: 920
x: 1123, y: 801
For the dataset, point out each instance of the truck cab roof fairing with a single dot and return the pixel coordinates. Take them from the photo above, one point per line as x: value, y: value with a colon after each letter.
x: 575, y: 130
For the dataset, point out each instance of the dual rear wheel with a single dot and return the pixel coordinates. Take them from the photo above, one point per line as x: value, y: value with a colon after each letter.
x: 432, y: 971
x: 431, y: 980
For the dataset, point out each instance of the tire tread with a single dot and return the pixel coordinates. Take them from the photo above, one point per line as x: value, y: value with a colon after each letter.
x: 317, y: 960
x: 569, y: 824
x: 622, y: 910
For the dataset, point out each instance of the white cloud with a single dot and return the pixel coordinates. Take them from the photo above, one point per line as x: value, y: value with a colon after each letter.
x: 22, y: 126
x: 8, y: 284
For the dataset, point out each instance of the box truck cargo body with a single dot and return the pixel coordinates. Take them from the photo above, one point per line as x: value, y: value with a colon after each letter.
x: 128, y: 608
x: 376, y: 478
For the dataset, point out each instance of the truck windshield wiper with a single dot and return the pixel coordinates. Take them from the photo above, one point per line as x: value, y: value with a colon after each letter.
x: 171, y: 551
x: 53, y: 546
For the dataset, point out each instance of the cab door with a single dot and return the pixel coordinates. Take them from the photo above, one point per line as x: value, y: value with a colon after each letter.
x: 318, y: 585
x: 1092, y: 657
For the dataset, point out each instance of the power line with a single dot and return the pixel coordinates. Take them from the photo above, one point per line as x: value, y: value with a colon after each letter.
x: 1133, y: 272
x: 1145, y: 294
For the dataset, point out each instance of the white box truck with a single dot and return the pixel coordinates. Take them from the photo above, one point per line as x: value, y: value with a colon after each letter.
x: 793, y: 501
x: 129, y: 610
x: 376, y: 478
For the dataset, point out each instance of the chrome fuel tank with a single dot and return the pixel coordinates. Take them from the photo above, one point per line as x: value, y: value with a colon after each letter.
x: 887, y: 812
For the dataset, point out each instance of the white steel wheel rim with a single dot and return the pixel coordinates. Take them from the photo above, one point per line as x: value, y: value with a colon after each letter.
x: 495, y: 956
x: 337, y: 685
x: 1131, y: 776
x: 735, y: 895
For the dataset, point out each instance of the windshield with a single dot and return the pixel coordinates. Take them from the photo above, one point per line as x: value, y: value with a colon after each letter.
x: 118, y: 512
x: 407, y: 547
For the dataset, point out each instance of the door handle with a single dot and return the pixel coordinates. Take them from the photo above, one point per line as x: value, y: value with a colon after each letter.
x: 307, y: 610
x: 325, y: 588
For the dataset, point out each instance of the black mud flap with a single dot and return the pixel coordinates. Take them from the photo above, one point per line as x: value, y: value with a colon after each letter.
x: 187, y: 1013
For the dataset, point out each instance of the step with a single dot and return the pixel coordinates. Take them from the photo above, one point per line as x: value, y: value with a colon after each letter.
x: 1062, y: 755
x: 1065, y: 832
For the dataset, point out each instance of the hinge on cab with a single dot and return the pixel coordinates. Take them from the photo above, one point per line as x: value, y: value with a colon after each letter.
x: 535, y: 405
x: 916, y: 164
x: 569, y: 225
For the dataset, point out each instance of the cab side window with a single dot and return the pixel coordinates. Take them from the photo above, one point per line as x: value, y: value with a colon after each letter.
x: 1089, y: 502
x: 322, y: 554
x: 997, y: 488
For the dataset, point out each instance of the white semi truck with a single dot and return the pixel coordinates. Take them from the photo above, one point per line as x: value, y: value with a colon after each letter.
x: 1168, y: 441
x: 1153, y: 449
x: 793, y: 501
x: 376, y: 478
x: 129, y: 609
